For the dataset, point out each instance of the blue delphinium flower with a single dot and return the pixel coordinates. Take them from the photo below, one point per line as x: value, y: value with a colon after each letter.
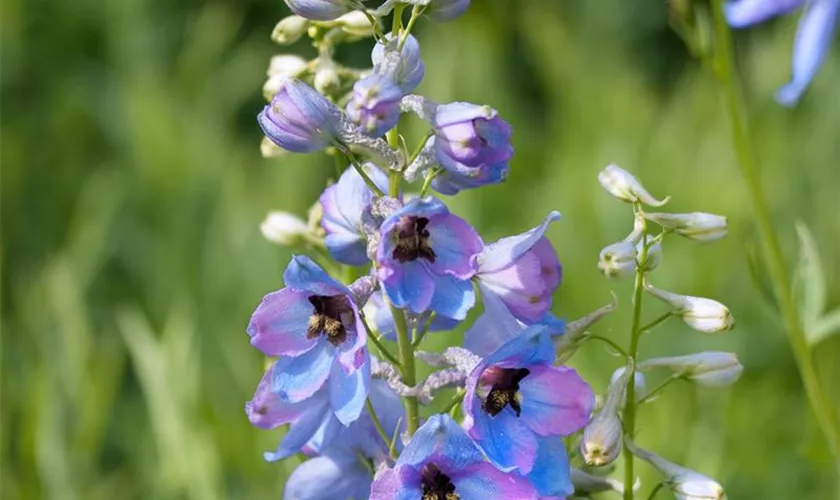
x: 516, y: 396
x: 813, y: 37
x: 343, y: 204
x: 472, y: 144
x: 383, y: 321
x: 299, y: 119
x: 314, y: 324
x: 405, y: 68
x: 425, y: 259
x: 442, y: 462
x: 375, y: 104
x: 320, y: 10
x: 339, y: 468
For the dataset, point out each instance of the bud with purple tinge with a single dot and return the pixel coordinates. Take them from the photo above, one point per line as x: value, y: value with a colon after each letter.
x: 375, y: 105
x: 447, y: 10
x: 281, y: 68
x: 404, y: 66
x: 698, y: 226
x: 300, y: 119
x: 321, y: 10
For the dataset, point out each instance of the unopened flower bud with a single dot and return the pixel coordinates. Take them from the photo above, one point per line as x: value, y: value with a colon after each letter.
x: 698, y: 226
x: 686, y: 484
x: 447, y: 10
x: 618, y: 260
x: 640, y: 385
x: 326, y: 78
x: 375, y: 105
x: 601, y: 441
x: 404, y: 66
x: 701, y: 314
x: 289, y: 30
x: 283, y: 228
x: 300, y: 119
x: 355, y: 23
x: 621, y: 184
x: 712, y: 369
x: 320, y: 10
x: 280, y: 68
x: 270, y: 150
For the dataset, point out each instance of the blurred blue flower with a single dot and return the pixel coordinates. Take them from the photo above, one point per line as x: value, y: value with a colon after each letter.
x: 314, y: 324
x: 320, y: 10
x: 516, y: 396
x: 813, y: 37
x: 375, y: 104
x: 426, y: 258
x: 299, y: 119
x: 472, y: 144
x: 343, y: 204
x: 405, y: 68
x: 442, y: 462
x: 447, y: 10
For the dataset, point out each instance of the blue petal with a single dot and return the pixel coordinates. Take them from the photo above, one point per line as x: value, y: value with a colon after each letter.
x: 551, y: 474
x: 440, y: 436
x: 532, y: 346
x: 347, y: 248
x: 813, y: 38
x: 452, y: 297
x: 320, y: 478
x: 508, y: 443
x: 413, y: 288
x: 303, y: 273
x: 304, y: 428
x: 506, y: 251
x: 493, y: 328
x: 349, y: 391
x: 297, y: 378
x: 324, y: 436
x: 743, y: 13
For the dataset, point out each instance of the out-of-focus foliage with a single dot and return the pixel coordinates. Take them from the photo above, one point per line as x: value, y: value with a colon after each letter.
x: 132, y: 189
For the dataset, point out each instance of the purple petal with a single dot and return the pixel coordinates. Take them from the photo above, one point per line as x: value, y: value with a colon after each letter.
x: 399, y: 483
x: 346, y: 247
x: 267, y: 409
x: 304, y: 274
x: 348, y: 391
x: 303, y: 429
x: 555, y: 400
x: 483, y: 481
x: 442, y: 437
x: 457, y: 112
x: 743, y: 13
x: 493, y: 328
x: 455, y: 242
x: 297, y: 378
x: 278, y: 325
x: 324, y: 436
x: 321, y: 477
x: 813, y: 38
x: 504, y: 252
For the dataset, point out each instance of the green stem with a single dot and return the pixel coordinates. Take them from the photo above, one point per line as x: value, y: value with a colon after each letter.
x: 382, y: 350
x: 655, y: 490
x: 428, y: 182
x: 629, y: 420
x: 775, y: 262
x: 423, y: 331
x: 377, y: 423
x: 415, y: 15
x: 659, y: 388
x: 609, y: 342
x: 409, y: 375
x: 656, y: 322
x: 358, y: 166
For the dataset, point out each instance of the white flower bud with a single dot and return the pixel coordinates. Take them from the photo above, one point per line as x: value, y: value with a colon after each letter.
x: 639, y: 225
x: 601, y: 441
x: 355, y: 23
x: 280, y: 68
x: 314, y: 216
x: 326, y: 76
x: 289, y: 30
x: 638, y: 381
x: 701, y: 314
x: 618, y: 260
x: 698, y: 226
x: 621, y: 184
x: 270, y: 150
x: 283, y: 228
x: 685, y: 483
x: 712, y: 369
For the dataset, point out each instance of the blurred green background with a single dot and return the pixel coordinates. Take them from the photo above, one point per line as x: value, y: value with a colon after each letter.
x: 132, y: 190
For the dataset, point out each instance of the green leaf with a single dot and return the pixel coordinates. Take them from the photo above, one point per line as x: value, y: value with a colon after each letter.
x: 825, y: 327
x: 809, y: 280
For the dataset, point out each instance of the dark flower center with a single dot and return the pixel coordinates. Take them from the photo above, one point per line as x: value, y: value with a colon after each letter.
x: 436, y: 485
x: 330, y: 316
x: 412, y: 240
x: 504, y: 391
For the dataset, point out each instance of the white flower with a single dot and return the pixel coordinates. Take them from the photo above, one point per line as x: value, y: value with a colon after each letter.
x: 711, y: 368
x: 621, y: 184
x: 289, y: 30
x: 701, y: 314
x: 638, y: 381
x: 618, y: 260
x: 698, y: 226
x: 283, y: 228
x: 601, y: 441
x: 326, y: 75
x: 355, y: 23
x: 280, y: 68
x: 270, y: 150
x: 685, y: 483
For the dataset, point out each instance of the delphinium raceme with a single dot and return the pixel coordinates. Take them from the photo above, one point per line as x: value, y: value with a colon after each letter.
x: 383, y: 262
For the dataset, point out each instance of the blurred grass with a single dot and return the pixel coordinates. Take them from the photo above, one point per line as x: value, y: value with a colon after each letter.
x: 132, y: 188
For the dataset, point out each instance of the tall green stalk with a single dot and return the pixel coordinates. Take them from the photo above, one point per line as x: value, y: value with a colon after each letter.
x: 722, y: 64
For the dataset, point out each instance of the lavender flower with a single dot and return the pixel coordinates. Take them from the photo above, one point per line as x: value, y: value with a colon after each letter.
x: 320, y: 10
x: 447, y: 10
x: 314, y: 324
x: 813, y: 38
x: 321, y: 477
x: 343, y: 204
x: 425, y: 259
x: 300, y: 119
x: 522, y: 270
x: 516, y: 396
x: 375, y: 105
x: 472, y: 144
x: 404, y: 67
x: 442, y: 462
x: 383, y: 321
